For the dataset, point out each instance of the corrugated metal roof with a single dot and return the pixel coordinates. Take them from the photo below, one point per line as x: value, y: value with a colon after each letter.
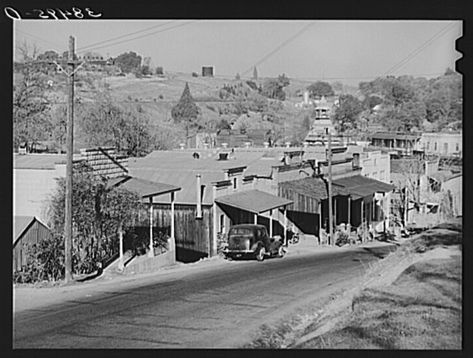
x: 254, y: 201
x: 312, y: 187
x: 145, y: 188
x: 185, y: 179
x: 359, y: 186
x: 40, y: 161
x: 180, y: 168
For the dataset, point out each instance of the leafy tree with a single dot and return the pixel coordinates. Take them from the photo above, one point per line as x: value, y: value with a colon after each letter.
x: 105, y: 123
x: 449, y: 72
x: 97, y: 212
x: 223, y: 124
x: 371, y: 101
x: 30, y: 107
x: 45, y: 261
x: 347, y: 113
x: 319, y: 89
x: 128, y: 62
x: 274, y: 88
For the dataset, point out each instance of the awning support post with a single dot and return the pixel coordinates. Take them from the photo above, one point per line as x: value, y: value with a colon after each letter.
x: 271, y: 223
x: 285, y: 225
x: 151, y: 249
x: 362, y: 216
x: 320, y: 218
x: 172, y: 246
x: 349, y: 211
x: 121, y: 264
x: 256, y: 218
x: 214, y: 221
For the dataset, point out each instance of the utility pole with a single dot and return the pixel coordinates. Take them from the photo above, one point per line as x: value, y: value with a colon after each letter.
x: 330, y: 210
x: 70, y: 140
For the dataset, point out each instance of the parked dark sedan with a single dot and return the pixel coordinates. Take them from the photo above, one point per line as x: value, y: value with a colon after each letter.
x: 251, y: 240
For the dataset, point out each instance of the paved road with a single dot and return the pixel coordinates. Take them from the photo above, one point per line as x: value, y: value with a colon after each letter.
x: 215, y: 307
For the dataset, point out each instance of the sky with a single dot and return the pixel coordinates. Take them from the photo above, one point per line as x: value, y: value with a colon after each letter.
x: 345, y: 51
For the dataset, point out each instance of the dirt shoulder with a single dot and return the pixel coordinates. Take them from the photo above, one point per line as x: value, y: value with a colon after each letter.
x: 412, y: 299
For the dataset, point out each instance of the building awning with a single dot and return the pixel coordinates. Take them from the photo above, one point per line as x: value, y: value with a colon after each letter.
x: 314, y: 188
x: 144, y: 188
x: 254, y: 201
x: 359, y: 186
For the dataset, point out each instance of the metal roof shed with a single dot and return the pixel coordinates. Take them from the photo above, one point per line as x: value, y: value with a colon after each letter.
x: 257, y: 202
x: 146, y: 189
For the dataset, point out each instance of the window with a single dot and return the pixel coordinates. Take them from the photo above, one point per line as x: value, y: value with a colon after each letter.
x: 428, y: 145
x: 457, y: 147
x: 234, y: 183
x: 435, y: 146
x: 445, y: 148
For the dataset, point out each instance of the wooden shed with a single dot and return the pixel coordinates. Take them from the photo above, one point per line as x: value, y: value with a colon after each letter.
x: 28, y: 230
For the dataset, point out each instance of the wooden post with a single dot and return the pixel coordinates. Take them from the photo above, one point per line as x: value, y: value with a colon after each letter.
x: 256, y: 218
x: 173, y: 239
x: 271, y: 223
x: 70, y: 146
x: 151, y: 249
x: 214, y: 221
x: 285, y: 225
x: 121, y: 264
x: 362, y: 217
x: 335, y: 209
x: 330, y: 217
x: 349, y: 211
x: 320, y: 218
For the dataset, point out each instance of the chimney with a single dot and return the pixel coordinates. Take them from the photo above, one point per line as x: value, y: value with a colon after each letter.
x: 356, y: 160
x: 198, y: 214
x: 225, y: 145
x: 306, y: 97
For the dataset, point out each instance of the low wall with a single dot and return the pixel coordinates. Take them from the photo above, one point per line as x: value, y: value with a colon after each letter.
x: 144, y: 264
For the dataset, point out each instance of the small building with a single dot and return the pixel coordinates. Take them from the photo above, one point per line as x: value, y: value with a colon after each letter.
x: 442, y: 144
x: 354, y: 202
x: 402, y: 143
x: 208, y: 71
x: 27, y: 231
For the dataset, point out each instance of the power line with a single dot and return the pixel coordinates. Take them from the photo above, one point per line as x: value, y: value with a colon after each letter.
x: 142, y: 36
x: 419, y: 49
x: 284, y: 43
x: 39, y: 38
x: 81, y: 49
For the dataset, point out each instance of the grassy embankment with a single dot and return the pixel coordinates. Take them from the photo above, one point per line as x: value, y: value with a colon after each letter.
x: 412, y: 299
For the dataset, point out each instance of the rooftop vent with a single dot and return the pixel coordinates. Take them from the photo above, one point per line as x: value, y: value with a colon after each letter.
x: 222, y: 156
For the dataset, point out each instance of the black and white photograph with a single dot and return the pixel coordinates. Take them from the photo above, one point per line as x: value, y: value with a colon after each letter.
x: 204, y: 183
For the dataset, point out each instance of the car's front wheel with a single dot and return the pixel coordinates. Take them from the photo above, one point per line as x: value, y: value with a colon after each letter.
x: 260, y: 254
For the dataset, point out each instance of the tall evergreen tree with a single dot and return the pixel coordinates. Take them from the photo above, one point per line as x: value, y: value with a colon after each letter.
x: 186, y: 110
